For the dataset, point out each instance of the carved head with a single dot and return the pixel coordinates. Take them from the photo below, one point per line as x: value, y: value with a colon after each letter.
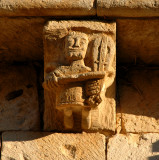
x: 76, y: 46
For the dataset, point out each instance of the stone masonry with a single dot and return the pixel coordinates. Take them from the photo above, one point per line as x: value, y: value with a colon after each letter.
x: 79, y: 79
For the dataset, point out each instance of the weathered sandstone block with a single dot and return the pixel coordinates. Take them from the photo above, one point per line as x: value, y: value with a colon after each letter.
x: 128, y: 8
x: 48, y: 146
x: 21, y: 39
x: 133, y: 147
x: 79, y: 73
x: 47, y: 8
x: 139, y: 100
x: 18, y: 98
x: 138, y: 41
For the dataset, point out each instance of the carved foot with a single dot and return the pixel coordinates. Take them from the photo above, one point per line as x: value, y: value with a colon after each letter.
x: 68, y: 118
x: 86, y: 118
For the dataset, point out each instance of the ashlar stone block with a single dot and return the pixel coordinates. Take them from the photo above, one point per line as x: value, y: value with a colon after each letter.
x: 47, y: 8
x: 138, y: 41
x: 47, y: 146
x: 139, y: 102
x: 19, y: 108
x: 21, y: 39
x: 133, y: 147
x: 128, y: 8
x: 79, y: 73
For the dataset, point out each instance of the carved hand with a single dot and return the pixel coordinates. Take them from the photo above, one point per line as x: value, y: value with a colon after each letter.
x: 51, y: 82
x: 93, y: 91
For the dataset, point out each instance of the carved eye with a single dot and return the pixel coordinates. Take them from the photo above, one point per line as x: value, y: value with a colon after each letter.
x: 83, y: 41
x: 70, y: 41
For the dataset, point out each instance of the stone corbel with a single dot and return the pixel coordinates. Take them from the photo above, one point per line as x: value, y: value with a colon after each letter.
x: 79, y: 75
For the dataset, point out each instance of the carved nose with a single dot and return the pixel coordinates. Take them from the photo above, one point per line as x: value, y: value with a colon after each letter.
x: 77, y: 43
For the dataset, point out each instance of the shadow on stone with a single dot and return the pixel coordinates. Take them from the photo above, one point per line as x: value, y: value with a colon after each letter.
x: 155, y: 148
x: 138, y: 91
x: 19, y: 136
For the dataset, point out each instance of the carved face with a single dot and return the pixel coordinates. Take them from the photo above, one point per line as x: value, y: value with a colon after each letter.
x: 76, y: 46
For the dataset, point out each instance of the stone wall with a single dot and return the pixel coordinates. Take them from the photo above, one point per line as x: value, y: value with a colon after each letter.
x: 125, y: 123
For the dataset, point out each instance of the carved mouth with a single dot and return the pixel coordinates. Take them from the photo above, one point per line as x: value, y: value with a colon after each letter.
x: 75, y: 50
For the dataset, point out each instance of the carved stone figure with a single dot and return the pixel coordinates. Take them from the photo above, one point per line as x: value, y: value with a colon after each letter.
x: 77, y: 85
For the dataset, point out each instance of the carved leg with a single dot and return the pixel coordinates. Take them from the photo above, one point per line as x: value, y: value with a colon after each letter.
x: 68, y: 118
x: 86, y: 118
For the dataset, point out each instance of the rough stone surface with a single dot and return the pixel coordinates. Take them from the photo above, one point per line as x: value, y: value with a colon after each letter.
x: 128, y: 8
x: 19, y: 108
x: 137, y: 41
x: 139, y: 102
x: 21, y: 39
x: 138, y: 45
x: 79, y: 66
x: 133, y: 147
x: 47, y: 7
x: 47, y: 146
